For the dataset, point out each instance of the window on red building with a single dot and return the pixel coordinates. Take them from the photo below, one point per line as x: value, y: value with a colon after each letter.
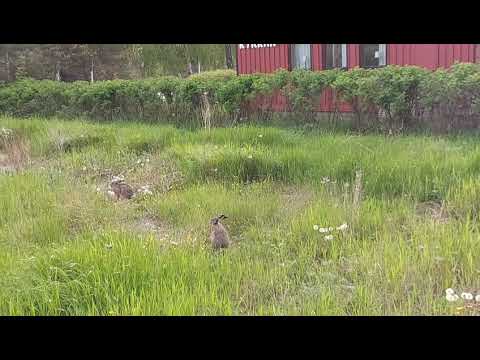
x: 373, y: 55
x: 301, y: 56
x: 335, y: 56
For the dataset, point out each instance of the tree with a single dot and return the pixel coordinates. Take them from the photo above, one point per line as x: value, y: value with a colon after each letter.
x: 14, y: 59
x: 5, y: 71
x: 228, y: 56
x: 70, y: 62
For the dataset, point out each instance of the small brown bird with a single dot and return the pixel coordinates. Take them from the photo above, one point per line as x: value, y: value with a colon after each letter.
x: 219, y: 235
x: 121, y: 189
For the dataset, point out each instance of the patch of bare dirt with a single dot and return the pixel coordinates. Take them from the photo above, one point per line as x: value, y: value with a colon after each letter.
x: 151, y: 225
x: 437, y: 211
x: 295, y: 199
x: 14, y: 153
x: 5, y: 167
x: 159, y: 174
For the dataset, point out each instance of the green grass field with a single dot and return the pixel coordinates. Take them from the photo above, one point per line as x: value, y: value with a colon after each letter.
x: 66, y: 248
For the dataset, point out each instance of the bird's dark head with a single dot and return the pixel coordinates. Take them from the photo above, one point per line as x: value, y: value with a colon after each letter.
x: 215, y: 220
x: 117, y: 180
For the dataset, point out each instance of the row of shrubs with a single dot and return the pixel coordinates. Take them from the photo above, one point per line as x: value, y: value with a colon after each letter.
x: 384, y: 98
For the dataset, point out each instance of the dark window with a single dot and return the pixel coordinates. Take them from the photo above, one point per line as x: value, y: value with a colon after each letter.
x: 301, y: 56
x: 335, y: 56
x: 373, y: 55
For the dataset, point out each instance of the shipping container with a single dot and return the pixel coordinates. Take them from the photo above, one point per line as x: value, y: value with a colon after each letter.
x: 268, y: 58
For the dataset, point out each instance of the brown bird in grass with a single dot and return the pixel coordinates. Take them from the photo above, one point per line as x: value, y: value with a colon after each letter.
x: 121, y: 189
x: 219, y: 235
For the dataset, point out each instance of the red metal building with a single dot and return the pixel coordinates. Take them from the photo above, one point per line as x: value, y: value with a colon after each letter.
x: 267, y: 58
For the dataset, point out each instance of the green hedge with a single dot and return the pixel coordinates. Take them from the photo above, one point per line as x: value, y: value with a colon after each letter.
x: 384, y: 98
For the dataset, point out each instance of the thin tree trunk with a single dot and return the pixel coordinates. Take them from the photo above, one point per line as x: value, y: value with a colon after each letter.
x: 8, y: 66
x: 91, y: 72
x: 57, y: 73
x: 189, y: 60
x: 206, y: 114
x: 228, y: 56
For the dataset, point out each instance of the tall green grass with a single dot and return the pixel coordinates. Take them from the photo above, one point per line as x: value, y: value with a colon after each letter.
x: 66, y: 249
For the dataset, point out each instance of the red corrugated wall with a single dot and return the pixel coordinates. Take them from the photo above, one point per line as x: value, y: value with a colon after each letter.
x: 448, y: 54
x: 262, y: 58
x: 430, y: 56
x: 269, y: 59
x: 424, y: 55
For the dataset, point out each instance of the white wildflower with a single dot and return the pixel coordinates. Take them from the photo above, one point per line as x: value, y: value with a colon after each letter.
x: 328, y: 237
x: 466, y: 296
x: 147, y: 160
x: 98, y: 189
x: 315, y: 227
x: 450, y: 291
x: 6, y: 131
x: 325, y: 180
x: 451, y: 297
x: 260, y: 136
x: 477, y: 298
x: 145, y: 190
x: 161, y: 96
x: 84, y: 168
x: 111, y: 193
x: 323, y: 230
x: 139, y: 161
x: 250, y: 156
x: 342, y: 227
x: 215, y: 169
x: 108, y: 246
x: 330, y: 229
x: 118, y: 178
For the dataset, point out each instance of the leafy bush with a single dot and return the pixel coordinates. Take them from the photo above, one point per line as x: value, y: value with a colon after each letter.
x: 215, y: 74
x: 304, y: 88
x: 451, y: 98
x: 387, y: 98
x: 389, y: 95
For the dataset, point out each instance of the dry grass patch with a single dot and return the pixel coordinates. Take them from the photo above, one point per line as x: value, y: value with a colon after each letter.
x: 14, y: 151
x: 437, y: 211
x: 295, y: 199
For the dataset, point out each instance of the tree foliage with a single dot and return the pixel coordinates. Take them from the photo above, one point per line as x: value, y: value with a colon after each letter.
x: 70, y: 62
